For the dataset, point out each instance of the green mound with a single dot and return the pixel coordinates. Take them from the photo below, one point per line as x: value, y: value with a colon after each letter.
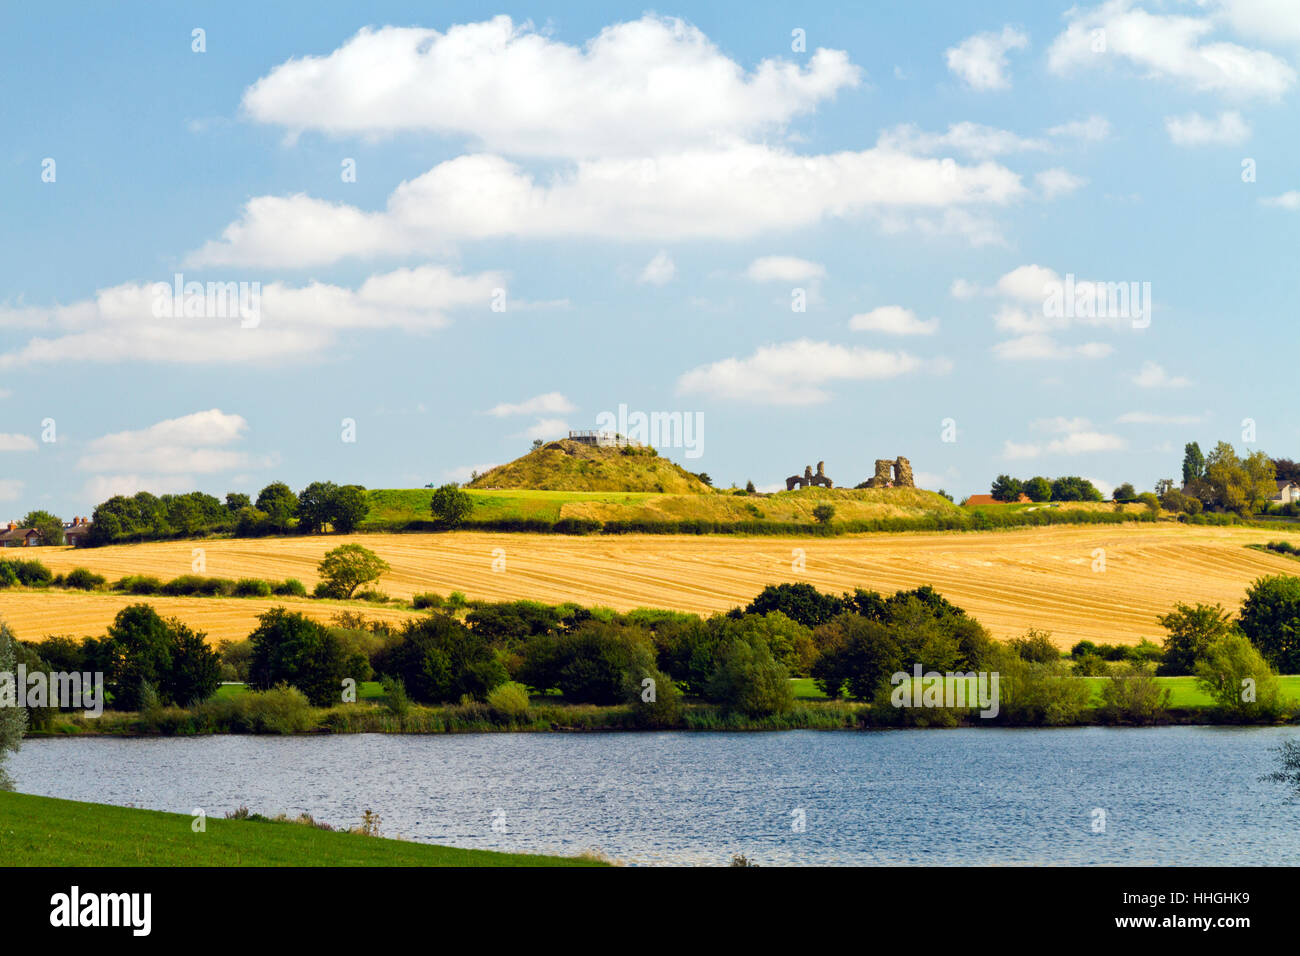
x: 574, y: 466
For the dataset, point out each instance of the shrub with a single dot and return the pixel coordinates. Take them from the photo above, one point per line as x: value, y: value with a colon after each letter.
x: 1132, y: 696
x: 8, y: 576
x: 1237, y: 676
x: 509, y: 700
x: 252, y: 587
x: 439, y: 660
x: 290, y: 648
x: 83, y: 580
x: 597, y: 663
x: 374, y: 597
x: 823, y: 513
x: 1038, y: 694
x: 427, y: 600
x: 289, y: 587
x: 138, y: 584
x: 31, y: 573
x: 13, y: 720
x: 1191, y: 629
x: 1036, y: 646
x: 278, y: 710
x: 450, y: 506
x: 396, y: 702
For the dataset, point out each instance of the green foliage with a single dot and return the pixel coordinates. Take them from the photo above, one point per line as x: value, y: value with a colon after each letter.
x: 1132, y: 696
x: 280, y: 506
x: 194, y: 672
x: 1289, y: 772
x: 1035, y: 646
x: 48, y: 526
x: 1190, y: 629
x: 598, y: 662
x: 28, y: 572
x: 1193, y: 463
x: 290, y: 648
x: 1270, y: 618
x: 1038, y: 694
x: 1006, y: 488
x: 799, y: 602
x: 289, y: 587
x: 13, y: 720
x: 426, y: 601
x: 1074, y: 488
x: 509, y: 700
x: 1124, y: 492
x: 348, y: 567
x: 823, y: 513
x: 450, y: 506
x: 1234, y: 673
x: 1038, y: 489
x: 750, y: 681
x: 439, y: 659
x: 83, y: 580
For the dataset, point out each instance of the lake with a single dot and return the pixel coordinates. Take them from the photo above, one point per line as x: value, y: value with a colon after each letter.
x: 1161, y: 796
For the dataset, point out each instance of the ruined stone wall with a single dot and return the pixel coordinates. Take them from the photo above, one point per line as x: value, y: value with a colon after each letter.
x: 903, y: 474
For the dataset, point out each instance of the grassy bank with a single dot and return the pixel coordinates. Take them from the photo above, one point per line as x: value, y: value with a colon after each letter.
x: 42, y: 831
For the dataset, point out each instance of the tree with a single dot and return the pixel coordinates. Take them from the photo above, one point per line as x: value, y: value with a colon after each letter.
x: 1006, y: 488
x: 1132, y: 695
x: 1193, y: 463
x: 349, y: 566
x: 1270, y: 618
x: 799, y: 602
x: 1074, y: 488
x: 1124, y: 492
x: 749, y: 487
x: 750, y: 681
x: 140, y: 644
x: 704, y: 477
x: 1164, y: 486
x: 1235, y: 674
x: 537, y: 443
x: 440, y: 660
x: 1038, y: 489
x: 1260, y: 482
x: 450, y: 505
x: 1286, y: 469
x: 351, y: 505
x: 279, y: 504
x: 316, y: 506
x: 823, y: 513
x: 290, y: 648
x: 13, y: 720
x: 48, y: 526
x: 1226, y: 476
x: 236, y: 501
x: 195, y: 671
x: 1191, y: 629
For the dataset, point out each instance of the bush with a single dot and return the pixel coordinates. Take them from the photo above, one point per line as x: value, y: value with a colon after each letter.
x: 440, y: 660
x: 1038, y: 694
x: 509, y: 700
x: 450, y: 506
x: 1191, y: 629
x: 138, y: 584
x: 799, y: 602
x: 823, y: 514
x: 1132, y: 696
x: 427, y: 600
x: 597, y: 663
x: 1036, y: 646
x: 374, y: 597
x: 290, y: 648
x: 30, y: 573
x: 252, y: 587
x: 8, y: 576
x: 1236, y: 675
x: 278, y: 710
x: 289, y: 587
x: 83, y: 580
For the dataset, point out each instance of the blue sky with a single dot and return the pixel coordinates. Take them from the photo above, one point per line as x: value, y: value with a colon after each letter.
x: 645, y: 191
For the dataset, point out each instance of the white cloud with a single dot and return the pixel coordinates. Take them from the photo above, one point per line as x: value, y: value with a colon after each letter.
x: 1080, y: 443
x: 727, y: 193
x: 547, y: 429
x: 796, y: 373
x: 973, y: 139
x: 1015, y: 450
x: 11, y: 489
x: 1060, y: 424
x: 465, y: 472
x: 784, y: 269
x: 1196, y: 130
x: 1288, y: 200
x: 963, y: 289
x: 1077, y: 440
x: 980, y: 61
x: 1268, y: 20
x: 550, y: 402
x: 302, y: 322
x: 1152, y: 418
x: 1093, y: 129
x: 1058, y: 182
x: 1037, y: 346
x: 192, y: 444
x: 10, y: 441
x: 1029, y: 283
x: 102, y: 487
x: 641, y: 87
x: 1153, y: 375
x: 893, y: 320
x: 658, y: 271
x: 1170, y: 47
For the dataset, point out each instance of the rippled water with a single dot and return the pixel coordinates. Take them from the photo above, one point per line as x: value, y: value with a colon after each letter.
x: 1176, y: 795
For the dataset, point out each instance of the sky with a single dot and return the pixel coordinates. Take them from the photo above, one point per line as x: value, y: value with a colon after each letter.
x: 838, y: 235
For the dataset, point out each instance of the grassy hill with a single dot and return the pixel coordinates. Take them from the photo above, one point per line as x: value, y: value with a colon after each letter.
x: 572, y: 466
x: 42, y: 831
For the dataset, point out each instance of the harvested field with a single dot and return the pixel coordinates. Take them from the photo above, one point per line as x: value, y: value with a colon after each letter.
x: 1010, y: 580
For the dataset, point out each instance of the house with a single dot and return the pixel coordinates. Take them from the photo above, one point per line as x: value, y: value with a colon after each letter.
x: 76, y: 533
x: 1287, y: 492
x: 976, y: 500
x: 16, y: 537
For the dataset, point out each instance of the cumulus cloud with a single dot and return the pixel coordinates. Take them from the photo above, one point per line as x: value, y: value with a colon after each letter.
x: 784, y: 269
x: 728, y: 193
x: 1153, y: 375
x: 1037, y: 346
x: 893, y: 320
x: 980, y: 61
x: 192, y: 444
x: 1058, y: 182
x: 797, y: 373
x: 658, y: 271
x: 1152, y: 418
x: 1288, y: 200
x: 1077, y: 438
x: 972, y: 139
x: 12, y: 441
x: 293, y: 322
x: 637, y: 88
x: 549, y: 403
x: 1172, y: 47
x: 1193, y: 129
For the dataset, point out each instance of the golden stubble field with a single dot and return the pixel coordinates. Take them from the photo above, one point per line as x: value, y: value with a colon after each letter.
x: 1009, y: 580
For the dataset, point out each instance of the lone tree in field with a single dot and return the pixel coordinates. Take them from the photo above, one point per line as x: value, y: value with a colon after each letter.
x: 451, y: 506
x: 823, y: 514
x: 349, y: 566
x: 13, y: 720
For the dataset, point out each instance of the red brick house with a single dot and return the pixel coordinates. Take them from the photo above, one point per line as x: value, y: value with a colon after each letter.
x: 16, y: 537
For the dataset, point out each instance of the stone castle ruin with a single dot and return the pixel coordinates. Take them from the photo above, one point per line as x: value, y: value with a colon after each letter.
x: 889, y: 474
x: 892, y: 474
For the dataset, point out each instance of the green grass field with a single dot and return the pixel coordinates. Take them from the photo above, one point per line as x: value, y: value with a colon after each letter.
x: 42, y: 831
x: 392, y: 507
